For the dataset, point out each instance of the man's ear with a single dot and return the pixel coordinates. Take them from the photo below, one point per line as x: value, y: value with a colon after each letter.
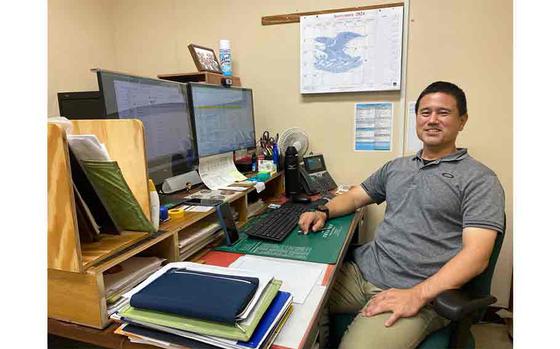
x: 463, y: 118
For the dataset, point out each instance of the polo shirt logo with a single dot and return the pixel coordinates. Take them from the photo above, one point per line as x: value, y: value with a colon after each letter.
x: 447, y: 175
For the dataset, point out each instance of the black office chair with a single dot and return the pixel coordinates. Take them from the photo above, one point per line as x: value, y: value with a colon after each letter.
x: 464, y: 307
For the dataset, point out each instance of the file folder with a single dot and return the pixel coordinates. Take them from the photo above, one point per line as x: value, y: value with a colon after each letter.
x: 196, y: 294
x: 116, y: 196
x: 85, y: 189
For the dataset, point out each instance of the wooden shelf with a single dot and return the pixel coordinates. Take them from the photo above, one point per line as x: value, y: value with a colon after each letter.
x: 206, y: 77
x: 130, y: 251
x: 109, y: 245
x: 76, y: 286
x: 76, y: 290
x: 179, y: 224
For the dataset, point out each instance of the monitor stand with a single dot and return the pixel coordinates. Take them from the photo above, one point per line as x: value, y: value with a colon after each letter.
x: 173, y: 184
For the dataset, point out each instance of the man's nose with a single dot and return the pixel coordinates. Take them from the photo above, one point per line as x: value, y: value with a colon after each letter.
x: 433, y: 118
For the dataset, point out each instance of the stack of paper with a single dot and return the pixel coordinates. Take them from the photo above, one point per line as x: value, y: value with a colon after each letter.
x: 288, y: 271
x: 116, y: 305
x: 256, y: 208
x: 224, y: 307
x: 129, y: 273
x: 122, y: 277
x: 197, y: 236
x: 88, y: 147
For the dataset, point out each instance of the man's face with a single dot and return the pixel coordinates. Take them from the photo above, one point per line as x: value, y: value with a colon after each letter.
x: 438, y: 121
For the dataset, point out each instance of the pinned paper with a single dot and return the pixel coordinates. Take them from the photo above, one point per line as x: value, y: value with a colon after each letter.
x: 413, y: 143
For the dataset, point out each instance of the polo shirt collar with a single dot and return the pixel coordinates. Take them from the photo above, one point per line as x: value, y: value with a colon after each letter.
x: 460, y: 154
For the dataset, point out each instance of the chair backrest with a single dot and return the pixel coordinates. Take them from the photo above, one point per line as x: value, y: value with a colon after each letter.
x: 480, y: 285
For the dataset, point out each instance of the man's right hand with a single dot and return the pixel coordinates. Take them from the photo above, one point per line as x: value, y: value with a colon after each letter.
x: 342, y: 204
x: 312, y: 221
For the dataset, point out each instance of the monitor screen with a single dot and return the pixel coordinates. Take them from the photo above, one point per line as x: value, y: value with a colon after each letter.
x: 314, y: 163
x: 163, y: 108
x: 223, y: 118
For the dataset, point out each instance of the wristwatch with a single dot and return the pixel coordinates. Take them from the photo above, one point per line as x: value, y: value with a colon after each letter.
x: 324, y: 209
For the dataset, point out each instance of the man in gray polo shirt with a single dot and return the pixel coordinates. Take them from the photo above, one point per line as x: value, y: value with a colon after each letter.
x: 443, y: 211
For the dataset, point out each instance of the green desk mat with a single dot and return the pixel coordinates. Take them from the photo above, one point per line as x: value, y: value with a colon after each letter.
x: 320, y: 247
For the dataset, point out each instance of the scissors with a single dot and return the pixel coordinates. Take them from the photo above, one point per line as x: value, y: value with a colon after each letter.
x: 266, y: 138
x: 267, y: 143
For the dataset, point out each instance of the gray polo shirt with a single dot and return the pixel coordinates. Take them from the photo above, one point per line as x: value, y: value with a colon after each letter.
x: 428, y: 205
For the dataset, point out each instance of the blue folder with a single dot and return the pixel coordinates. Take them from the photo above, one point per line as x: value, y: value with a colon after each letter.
x: 199, y: 295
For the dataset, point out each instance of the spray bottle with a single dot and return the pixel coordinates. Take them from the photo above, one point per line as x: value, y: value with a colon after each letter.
x: 225, y: 57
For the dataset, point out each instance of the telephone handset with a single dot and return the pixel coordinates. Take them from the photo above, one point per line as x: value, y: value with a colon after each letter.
x: 314, y: 177
x: 310, y: 185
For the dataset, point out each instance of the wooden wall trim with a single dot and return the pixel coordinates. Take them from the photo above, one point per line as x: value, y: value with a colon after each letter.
x: 294, y: 17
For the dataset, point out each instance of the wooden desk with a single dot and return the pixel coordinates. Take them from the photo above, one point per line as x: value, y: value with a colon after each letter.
x: 312, y: 329
x: 106, y: 337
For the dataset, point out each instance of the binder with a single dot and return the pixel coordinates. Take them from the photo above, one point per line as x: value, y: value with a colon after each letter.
x: 179, y: 324
x: 199, y: 295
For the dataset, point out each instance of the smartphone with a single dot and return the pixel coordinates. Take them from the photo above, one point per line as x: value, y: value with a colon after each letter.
x: 202, y: 202
x: 228, y: 224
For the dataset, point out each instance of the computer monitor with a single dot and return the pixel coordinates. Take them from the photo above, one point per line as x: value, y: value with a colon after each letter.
x: 163, y: 108
x: 81, y: 105
x: 223, y: 118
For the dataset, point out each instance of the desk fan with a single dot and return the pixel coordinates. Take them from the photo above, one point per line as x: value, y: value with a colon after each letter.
x: 295, y: 137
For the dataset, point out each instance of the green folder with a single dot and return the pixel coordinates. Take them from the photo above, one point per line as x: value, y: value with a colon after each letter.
x: 115, y: 194
x: 241, y: 331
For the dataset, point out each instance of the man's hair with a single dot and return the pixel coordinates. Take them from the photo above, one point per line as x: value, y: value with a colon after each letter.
x: 448, y: 88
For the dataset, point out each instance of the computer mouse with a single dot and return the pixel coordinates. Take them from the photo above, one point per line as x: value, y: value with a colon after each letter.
x: 301, y: 199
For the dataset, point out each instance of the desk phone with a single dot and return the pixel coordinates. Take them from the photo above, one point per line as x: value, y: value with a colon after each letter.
x: 314, y: 176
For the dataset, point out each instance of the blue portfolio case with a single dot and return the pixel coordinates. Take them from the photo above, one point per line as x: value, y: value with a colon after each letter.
x: 199, y: 295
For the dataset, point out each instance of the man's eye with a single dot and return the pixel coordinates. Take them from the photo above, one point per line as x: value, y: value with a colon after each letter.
x: 443, y: 113
x: 425, y: 113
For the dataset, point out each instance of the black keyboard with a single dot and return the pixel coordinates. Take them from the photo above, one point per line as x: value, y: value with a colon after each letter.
x: 277, y: 224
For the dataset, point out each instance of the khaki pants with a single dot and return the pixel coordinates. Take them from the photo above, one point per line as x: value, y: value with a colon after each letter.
x: 350, y: 294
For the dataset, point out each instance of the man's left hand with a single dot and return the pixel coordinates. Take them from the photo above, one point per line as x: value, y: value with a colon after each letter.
x: 401, y: 302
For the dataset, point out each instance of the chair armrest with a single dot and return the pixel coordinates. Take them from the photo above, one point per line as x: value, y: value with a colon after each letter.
x: 457, y: 304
